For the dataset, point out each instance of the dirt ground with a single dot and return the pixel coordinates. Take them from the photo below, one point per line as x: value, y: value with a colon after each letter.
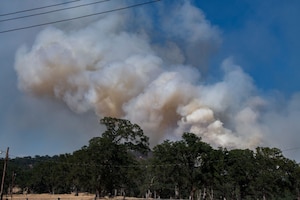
x: 57, y: 197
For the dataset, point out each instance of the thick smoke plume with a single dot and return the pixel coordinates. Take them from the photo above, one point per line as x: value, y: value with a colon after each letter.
x: 153, y: 81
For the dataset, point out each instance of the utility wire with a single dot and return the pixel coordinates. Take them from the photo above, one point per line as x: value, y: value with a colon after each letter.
x: 92, y: 164
x: 21, y: 11
x: 175, y: 164
x: 51, y: 11
x: 83, y: 16
x: 291, y: 149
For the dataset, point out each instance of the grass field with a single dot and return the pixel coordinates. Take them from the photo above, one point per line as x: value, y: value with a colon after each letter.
x: 49, y: 197
x: 57, y: 196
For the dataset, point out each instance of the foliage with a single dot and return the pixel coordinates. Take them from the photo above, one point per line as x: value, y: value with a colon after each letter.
x: 120, y: 162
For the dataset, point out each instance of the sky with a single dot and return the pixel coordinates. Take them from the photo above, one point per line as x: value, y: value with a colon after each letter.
x: 224, y: 70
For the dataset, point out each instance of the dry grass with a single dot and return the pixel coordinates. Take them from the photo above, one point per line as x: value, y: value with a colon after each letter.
x: 82, y: 196
x: 50, y: 197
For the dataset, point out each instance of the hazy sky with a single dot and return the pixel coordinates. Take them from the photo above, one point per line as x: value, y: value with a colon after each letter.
x: 226, y: 70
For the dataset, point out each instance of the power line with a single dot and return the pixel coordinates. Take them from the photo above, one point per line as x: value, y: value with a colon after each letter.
x: 83, y: 16
x: 51, y: 11
x: 291, y: 149
x: 222, y: 159
x: 21, y: 11
x: 93, y: 164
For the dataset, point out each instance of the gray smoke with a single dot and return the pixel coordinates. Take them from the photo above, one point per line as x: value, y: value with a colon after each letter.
x: 126, y: 73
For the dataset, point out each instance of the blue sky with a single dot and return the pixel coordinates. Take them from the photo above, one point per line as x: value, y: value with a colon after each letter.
x: 261, y: 37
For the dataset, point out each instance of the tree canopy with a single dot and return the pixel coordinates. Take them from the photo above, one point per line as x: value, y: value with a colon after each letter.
x: 120, y: 162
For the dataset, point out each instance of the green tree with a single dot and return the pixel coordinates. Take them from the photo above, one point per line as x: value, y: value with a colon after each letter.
x: 81, y: 174
x: 240, y: 170
x: 275, y: 174
x: 214, y: 174
x: 179, y: 165
x: 165, y: 170
x: 123, y: 132
x: 114, y: 152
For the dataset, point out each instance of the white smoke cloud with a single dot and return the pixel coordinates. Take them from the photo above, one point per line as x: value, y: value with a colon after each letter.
x: 281, y: 120
x: 114, y: 71
x: 119, y: 74
x: 197, y: 38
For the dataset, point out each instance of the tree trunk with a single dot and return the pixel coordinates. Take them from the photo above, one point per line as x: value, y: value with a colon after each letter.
x: 204, y: 193
x: 211, y: 194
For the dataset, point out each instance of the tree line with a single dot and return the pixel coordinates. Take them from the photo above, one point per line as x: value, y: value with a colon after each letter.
x: 120, y: 162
